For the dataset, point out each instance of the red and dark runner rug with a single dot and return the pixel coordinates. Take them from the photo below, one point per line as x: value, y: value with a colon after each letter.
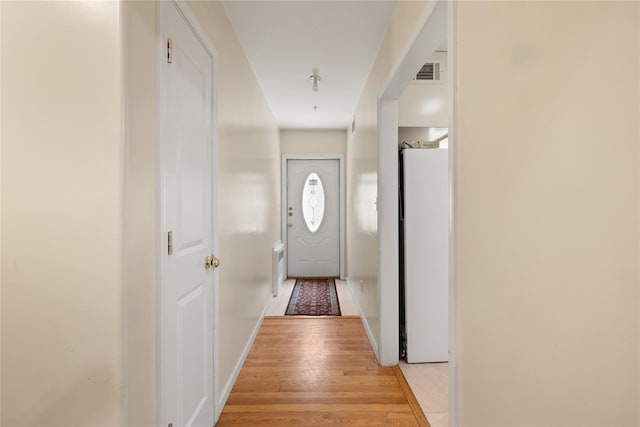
x: 314, y: 297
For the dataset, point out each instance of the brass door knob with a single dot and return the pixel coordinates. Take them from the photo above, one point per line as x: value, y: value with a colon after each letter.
x: 211, y: 261
x: 208, y: 262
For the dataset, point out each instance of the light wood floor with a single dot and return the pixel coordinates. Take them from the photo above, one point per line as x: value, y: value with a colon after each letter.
x: 318, y: 371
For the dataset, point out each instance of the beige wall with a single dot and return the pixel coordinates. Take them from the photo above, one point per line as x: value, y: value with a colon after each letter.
x: 362, y: 167
x: 0, y: 214
x: 62, y: 337
x: 313, y: 142
x: 78, y: 172
x: 140, y: 220
x: 547, y: 217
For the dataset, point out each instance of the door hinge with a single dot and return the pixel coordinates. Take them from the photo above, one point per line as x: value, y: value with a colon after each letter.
x: 169, y: 51
x: 170, y: 243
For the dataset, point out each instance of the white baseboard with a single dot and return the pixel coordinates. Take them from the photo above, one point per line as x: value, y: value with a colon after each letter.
x: 365, y: 322
x: 226, y: 391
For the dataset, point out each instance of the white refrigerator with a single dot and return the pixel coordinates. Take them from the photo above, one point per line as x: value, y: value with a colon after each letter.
x: 426, y: 213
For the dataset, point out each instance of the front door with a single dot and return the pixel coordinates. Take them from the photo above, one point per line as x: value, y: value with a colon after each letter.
x: 187, y: 186
x: 313, y: 218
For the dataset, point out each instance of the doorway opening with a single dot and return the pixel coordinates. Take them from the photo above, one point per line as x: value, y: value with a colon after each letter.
x: 437, y: 28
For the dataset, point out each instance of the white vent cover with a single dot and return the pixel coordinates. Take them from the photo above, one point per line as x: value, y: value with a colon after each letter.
x: 429, y: 72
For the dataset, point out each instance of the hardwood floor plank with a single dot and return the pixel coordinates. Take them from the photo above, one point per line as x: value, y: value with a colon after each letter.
x: 309, y: 419
x: 413, y: 402
x: 316, y: 371
x: 341, y: 397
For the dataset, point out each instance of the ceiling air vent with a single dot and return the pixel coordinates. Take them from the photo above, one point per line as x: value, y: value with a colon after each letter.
x: 429, y: 71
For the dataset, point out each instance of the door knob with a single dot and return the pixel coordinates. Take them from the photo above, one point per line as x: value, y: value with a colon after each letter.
x: 211, y: 261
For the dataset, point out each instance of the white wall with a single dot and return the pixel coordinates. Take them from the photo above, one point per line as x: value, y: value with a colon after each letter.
x: 62, y: 337
x: 313, y: 141
x: 547, y: 219
x: 426, y: 103
x: 420, y: 134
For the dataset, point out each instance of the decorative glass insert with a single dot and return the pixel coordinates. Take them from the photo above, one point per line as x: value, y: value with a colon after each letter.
x: 313, y: 202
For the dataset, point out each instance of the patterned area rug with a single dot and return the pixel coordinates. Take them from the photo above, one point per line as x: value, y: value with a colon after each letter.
x: 314, y: 297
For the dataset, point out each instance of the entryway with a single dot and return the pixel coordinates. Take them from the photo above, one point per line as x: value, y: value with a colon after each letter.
x: 313, y: 215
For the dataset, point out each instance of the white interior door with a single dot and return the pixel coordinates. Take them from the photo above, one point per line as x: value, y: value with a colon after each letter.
x: 313, y: 218
x: 187, y: 171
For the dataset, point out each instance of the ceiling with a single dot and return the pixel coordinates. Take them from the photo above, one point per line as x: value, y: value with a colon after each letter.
x: 286, y: 40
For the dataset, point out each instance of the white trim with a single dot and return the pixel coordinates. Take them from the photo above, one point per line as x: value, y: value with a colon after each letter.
x: 185, y: 11
x: 161, y: 224
x: 215, y: 176
x: 388, y: 239
x: 193, y: 22
x: 226, y: 391
x: 453, y: 259
x: 365, y: 323
x: 340, y: 158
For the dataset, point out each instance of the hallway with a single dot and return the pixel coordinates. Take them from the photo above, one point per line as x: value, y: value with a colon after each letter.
x: 428, y: 381
x: 544, y: 233
x: 318, y: 371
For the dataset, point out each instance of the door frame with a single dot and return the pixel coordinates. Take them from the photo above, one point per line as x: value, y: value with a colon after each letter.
x: 161, y: 155
x: 285, y: 159
x: 423, y: 42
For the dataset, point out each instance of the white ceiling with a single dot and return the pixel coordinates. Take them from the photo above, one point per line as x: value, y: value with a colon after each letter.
x: 286, y: 40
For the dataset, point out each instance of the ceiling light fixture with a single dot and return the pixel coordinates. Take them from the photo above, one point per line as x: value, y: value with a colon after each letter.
x: 315, y: 78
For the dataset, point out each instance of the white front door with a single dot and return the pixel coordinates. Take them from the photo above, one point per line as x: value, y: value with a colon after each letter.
x: 187, y: 190
x: 313, y: 218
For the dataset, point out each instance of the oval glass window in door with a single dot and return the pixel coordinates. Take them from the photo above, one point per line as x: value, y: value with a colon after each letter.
x: 313, y: 202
